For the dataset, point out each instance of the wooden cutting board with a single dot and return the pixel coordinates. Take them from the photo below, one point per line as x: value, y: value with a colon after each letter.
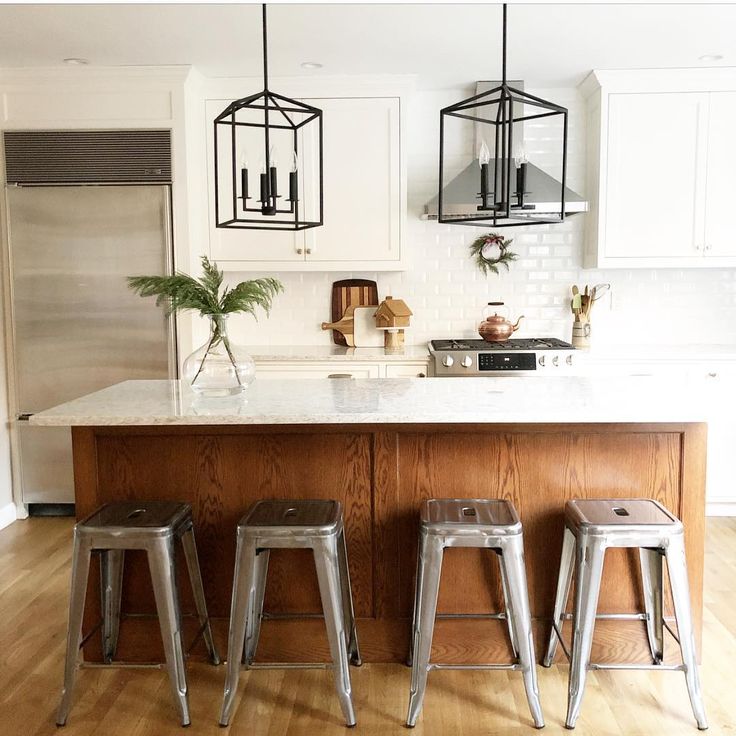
x: 350, y: 292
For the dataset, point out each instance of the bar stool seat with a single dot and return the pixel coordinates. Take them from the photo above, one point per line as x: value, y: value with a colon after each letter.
x: 291, y: 524
x: 591, y: 527
x: 476, y: 522
x: 152, y: 526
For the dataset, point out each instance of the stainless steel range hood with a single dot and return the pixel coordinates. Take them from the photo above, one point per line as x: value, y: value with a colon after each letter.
x: 542, y: 198
x: 460, y: 198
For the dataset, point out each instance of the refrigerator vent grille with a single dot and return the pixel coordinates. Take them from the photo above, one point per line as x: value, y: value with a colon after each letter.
x: 88, y: 156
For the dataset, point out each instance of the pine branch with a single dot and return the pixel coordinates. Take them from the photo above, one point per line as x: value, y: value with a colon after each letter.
x: 182, y: 292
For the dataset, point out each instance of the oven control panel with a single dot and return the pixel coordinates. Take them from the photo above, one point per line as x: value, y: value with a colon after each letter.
x: 507, y: 361
x: 504, y: 362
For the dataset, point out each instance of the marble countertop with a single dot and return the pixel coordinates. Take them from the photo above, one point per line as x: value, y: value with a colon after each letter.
x: 520, y: 400
x: 336, y: 352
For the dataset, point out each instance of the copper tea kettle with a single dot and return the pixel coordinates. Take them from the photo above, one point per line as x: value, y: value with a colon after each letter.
x: 496, y: 327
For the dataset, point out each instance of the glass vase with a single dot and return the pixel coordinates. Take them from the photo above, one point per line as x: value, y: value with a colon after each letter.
x: 219, y: 367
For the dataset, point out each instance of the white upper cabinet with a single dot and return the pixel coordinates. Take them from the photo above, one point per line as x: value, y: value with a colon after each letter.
x: 363, y: 193
x: 661, y: 157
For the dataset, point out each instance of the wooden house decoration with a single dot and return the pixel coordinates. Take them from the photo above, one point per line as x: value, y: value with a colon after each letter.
x: 392, y: 316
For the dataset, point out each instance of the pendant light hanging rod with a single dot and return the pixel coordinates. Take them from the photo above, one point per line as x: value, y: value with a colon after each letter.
x: 503, y: 52
x: 264, y: 25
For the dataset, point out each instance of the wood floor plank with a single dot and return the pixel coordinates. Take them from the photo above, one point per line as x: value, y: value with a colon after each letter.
x: 34, y: 564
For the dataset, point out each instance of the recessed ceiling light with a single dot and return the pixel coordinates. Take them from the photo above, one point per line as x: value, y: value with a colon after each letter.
x: 311, y: 65
x: 75, y: 61
x: 710, y: 57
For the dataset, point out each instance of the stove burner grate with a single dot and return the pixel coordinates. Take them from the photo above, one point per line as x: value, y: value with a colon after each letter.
x: 532, y: 343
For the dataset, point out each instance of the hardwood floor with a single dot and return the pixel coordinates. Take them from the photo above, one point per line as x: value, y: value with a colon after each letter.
x: 34, y: 578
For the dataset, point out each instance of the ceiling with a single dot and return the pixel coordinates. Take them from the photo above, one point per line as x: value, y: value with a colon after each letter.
x: 444, y: 45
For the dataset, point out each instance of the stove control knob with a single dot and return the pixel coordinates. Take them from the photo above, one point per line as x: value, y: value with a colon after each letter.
x: 556, y: 360
x: 467, y: 361
x: 447, y: 361
x: 541, y: 360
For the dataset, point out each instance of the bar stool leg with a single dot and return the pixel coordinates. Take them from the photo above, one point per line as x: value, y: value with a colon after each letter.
x: 651, y: 576
x: 326, y: 560
x: 507, y: 609
x: 428, y: 584
x: 512, y: 562
x: 589, y: 564
x: 417, y: 599
x: 347, y: 602
x: 161, y: 563
x: 564, y: 581
x: 111, y: 584
x: 195, y: 579
x: 677, y: 567
x: 80, y: 572
x: 255, y: 605
x: 243, y: 583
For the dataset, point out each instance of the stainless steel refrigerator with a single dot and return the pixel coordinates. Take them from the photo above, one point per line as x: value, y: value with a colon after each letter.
x: 76, y: 327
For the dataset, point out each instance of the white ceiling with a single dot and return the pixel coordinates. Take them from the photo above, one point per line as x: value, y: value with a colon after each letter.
x: 442, y: 44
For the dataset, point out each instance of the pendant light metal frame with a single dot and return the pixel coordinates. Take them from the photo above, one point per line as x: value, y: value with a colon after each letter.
x: 499, y: 205
x: 278, y: 113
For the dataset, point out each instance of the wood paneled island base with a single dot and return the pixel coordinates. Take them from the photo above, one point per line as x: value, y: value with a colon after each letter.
x: 381, y: 473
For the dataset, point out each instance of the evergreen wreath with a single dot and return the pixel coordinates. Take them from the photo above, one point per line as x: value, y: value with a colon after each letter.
x: 491, y: 251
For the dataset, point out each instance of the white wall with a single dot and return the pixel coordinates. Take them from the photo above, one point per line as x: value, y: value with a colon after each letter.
x: 447, y: 293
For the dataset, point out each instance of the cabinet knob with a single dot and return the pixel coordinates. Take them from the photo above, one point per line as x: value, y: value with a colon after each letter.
x: 340, y: 375
x: 309, y: 251
x: 697, y: 246
x: 708, y: 247
x: 299, y: 251
x: 421, y: 375
x: 713, y: 374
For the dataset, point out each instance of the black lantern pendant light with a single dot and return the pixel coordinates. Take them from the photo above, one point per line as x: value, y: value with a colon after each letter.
x: 271, y: 130
x: 502, y: 173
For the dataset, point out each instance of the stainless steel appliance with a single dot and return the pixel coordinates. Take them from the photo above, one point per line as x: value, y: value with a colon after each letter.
x: 75, y: 233
x: 546, y: 356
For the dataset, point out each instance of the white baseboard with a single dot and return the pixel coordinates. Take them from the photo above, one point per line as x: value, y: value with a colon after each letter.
x: 7, y: 515
x: 720, y: 508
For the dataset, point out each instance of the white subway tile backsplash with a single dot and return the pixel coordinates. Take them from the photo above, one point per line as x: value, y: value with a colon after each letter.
x: 447, y: 293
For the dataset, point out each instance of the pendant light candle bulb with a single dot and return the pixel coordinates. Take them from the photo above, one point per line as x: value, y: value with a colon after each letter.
x: 484, y: 156
x: 293, y: 181
x: 273, y: 174
x: 243, y: 177
x: 520, y: 157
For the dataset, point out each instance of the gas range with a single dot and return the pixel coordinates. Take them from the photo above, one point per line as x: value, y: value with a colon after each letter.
x: 517, y: 356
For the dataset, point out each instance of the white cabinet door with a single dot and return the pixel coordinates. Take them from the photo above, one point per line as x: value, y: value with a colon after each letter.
x: 720, y: 234
x: 655, y: 175
x: 361, y: 181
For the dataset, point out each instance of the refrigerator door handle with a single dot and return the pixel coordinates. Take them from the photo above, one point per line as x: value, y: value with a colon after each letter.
x: 24, y: 416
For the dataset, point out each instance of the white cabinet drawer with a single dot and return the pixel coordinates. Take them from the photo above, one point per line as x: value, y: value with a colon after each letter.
x: 268, y: 371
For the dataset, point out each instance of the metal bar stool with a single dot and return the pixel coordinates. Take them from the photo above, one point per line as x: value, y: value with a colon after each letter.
x: 491, y: 524
x: 310, y: 524
x: 591, y: 527
x: 151, y: 526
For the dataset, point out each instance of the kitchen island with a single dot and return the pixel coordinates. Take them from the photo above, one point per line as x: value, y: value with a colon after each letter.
x: 381, y: 447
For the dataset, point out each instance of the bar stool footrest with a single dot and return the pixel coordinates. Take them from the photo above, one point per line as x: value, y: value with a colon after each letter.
x: 432, y: 666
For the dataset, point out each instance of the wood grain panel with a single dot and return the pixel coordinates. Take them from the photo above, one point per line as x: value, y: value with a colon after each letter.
x: 382, y: 474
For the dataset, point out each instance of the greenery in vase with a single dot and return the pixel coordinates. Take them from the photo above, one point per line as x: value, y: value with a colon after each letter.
x: 207, y: 296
